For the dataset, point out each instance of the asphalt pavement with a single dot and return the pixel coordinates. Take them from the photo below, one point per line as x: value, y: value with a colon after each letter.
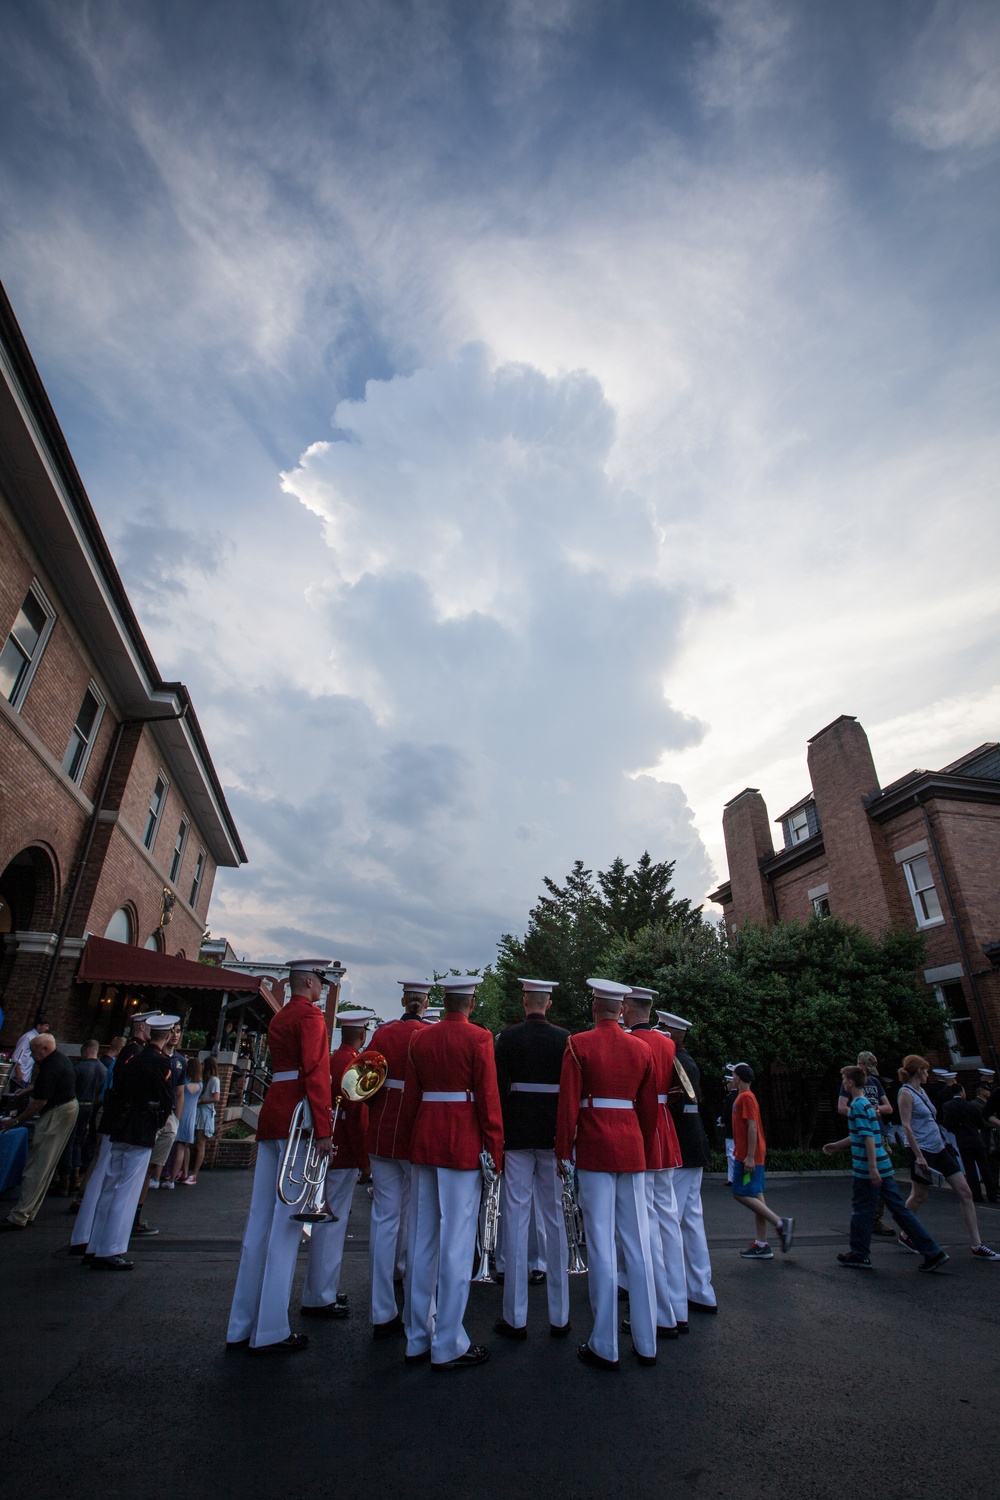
x: 811, y: 1382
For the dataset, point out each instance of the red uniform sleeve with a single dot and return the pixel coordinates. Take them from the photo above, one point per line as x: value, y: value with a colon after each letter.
x: 570, y: 1080
x: 316, y: 1071
x: 488, y: 1100
x: 647, y: 1106
x: 412, y: 1095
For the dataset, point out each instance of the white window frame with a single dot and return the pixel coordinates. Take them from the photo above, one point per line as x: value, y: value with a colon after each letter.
x: 967, y: 1059
x: 150, y: 834
x: 180, y: 846
x: 198, y: 879
x: 798, y: 832
x: 81, y: 769
x: 821, y: 906
x: 21, y: 691
x: 916, y: 892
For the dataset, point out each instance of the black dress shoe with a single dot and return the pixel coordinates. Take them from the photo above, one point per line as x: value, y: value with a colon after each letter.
x: 9, y: 1224
x: 559, y: 1330
x: 392, y: 1330
x: 234, y: 1345
x: 701, y: 1307
x: 682, y: 1326
x: 643, y: 1359
x: 474, y: 1355
x: 535, y: 1278
x: 88, y: 1259
x: 111, y: 1263
x: 587, y: 1355
x: 343, y: 1298
x: 623, y: 1294
x: 77, y: 1249
x: 326, y: 1310
x: 417, y: 1359
x: 291, y: 1345
x: 668, y: 1333
x: 508, y: 1331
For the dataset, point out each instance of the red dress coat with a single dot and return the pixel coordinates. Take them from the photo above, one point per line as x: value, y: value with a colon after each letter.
x: 666, y: 1151
x: 452, y: 1057
x: 352, y: 1121
x: 299, y: 1044
x: 393, y: 1041
x: 606, y: 1063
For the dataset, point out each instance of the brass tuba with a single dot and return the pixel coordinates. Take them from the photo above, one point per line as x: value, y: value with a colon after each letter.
x: 307, y: 1188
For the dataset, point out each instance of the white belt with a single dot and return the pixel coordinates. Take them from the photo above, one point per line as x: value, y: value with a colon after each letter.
x: 288, y: 1077
x: 393, y: 1083
x: 661, y: 1098
x: 690, y: 1109
x: 534, y: 1088
x: 465, y: 1097
x: 606, y: 1104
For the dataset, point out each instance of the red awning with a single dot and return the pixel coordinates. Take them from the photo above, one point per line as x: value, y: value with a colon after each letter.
x: 104, y: 962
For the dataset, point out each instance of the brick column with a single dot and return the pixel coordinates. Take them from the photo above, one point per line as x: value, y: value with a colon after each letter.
x: 747, y: 831
x: 844, y: 780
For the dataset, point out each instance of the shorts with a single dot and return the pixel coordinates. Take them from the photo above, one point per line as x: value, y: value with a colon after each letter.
x: 164, y: 1142
x: 945, y: 1162
x: 744, y: 1186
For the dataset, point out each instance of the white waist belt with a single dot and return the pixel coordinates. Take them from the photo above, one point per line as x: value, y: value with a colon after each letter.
x: 393, y: 1083
x: 534, y: 1088
x: 288, y: 1077
x: 690, y: 1109
x: 661, y: 1098
x: 465, y: 1097
x: 605, y: 1104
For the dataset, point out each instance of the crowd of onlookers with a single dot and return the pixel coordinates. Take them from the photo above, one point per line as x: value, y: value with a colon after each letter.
x: 62, y: 1098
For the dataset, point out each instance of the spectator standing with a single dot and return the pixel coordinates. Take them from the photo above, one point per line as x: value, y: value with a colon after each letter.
x: 204, y: 1124
x: 53, y: 1104
x: 725, y: 1120
x: 111, y: 1051
x: 186, y: 1125
x: 879, y: 1101
x: 964, y: 1119
x: 168, y: 1133
x: 750, y: 1151
x: 927, y: 1148
x: 23, y: 1058
x: 90, y: 1077
x: 874, y: 1182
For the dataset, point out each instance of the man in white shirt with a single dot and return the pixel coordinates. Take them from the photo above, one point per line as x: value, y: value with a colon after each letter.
x: 23, y: 1058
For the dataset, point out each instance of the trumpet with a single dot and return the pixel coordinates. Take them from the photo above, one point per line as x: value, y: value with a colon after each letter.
x: 491, y: 1217
x: 307, y: 1188
x: 574, y: 1222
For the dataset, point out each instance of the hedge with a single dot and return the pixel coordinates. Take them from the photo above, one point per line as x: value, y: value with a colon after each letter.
x: 806, y: 1160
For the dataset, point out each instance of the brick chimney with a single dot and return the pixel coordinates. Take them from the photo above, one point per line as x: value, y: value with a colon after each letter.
x: 747, y: 831
x: 844, y: 779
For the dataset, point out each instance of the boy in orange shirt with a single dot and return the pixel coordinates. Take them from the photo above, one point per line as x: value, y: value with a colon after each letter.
x: 750, y: 1153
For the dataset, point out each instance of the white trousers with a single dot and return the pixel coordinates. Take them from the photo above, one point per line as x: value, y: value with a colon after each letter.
x: 697, y: 1262
x: 390, y: 1206
x: 267, y: 1257
x: 326, y: 1243
x: 530, y: 1177
x: 444, y: 1208
x: 664, y: 1220
x: 84, y: 1221
x: 121, y: 1190
x: 613, y: 1201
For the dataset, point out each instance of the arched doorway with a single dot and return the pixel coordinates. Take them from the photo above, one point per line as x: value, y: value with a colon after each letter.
x: 27, y: 903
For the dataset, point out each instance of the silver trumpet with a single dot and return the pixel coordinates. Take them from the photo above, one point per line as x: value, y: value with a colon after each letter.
x: 305, y: 1188
x: 491, y: 1217
x: 574, y: 1222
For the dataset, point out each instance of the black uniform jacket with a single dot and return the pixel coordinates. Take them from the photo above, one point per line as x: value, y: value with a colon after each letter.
x: 145, y: 1098
x: 113, y: 1099
x: 694, y: 1145
x: 530, y: 1053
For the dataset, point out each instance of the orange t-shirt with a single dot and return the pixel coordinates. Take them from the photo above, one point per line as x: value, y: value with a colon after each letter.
x: 745, y: 1109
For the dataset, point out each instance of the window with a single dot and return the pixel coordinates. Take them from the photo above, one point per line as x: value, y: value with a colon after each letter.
x: 199, y: 871
x: 926, y: 906
x: 821, y: 906
x: 81, y: 741
x: 958, y: 1026
x: 180, y: 841
x: 154, y: 943
x: 119, y: 929
x: 25, y: 644
x: 798, y: 826
x: 155, y: 809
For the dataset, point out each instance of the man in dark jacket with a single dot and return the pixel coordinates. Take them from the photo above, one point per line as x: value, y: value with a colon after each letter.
x: 685, y: 1107
x: 965, y: 1121
x: 143, y: 1100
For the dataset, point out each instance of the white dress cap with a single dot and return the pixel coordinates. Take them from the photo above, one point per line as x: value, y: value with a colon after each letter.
x: 146, y: 1015
x: 943, y: 1073
x: 163, y: 1023
x: 416, y: 986
x: 460, y: 984
x: 538, y: 986
x: 432, y: 1015
x: 643, y: 994
x: 309, y: 965
x: 353, y: 1017
x: 675, y: 1023
x: 986, y: 1072
x: 607, y: 989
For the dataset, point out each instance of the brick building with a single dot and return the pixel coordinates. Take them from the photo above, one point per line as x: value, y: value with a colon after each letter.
x: 112, y: 818
x: 923, y: 852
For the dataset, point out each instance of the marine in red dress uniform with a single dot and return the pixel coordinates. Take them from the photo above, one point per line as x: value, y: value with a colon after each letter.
x: 608, y: 1114
x: 300, y: 1063
x: 450, y: 1113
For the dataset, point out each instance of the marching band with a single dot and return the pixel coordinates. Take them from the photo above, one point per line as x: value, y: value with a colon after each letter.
x: 593, y: 1139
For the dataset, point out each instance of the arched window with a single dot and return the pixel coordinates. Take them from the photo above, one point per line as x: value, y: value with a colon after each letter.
x: 154, y: 942
x: 119, y: 929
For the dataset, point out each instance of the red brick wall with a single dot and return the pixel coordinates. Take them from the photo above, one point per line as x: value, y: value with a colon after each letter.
x: 843, y: 775
x: 791, y: 890
x: 747, y: 832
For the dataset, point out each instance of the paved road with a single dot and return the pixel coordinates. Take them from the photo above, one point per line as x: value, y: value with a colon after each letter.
x: 812, y: 1381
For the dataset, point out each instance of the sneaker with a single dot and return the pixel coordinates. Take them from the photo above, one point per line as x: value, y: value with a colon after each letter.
x: 883, y: 1229
x: 786, y: 1230
x: 934, y: 1262
x: 983, y: 1252
x: 170, y: 1183
x: 757, y: 1252
x: 907, y: 1243
x: 154, y: 1183
x: 855, y: 1262
x: 190, y: 1181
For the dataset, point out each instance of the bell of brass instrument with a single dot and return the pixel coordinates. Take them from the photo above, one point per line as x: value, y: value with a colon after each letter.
x: 305, y: 1188
x: 574, y: 1222
x: 491, y: 1217
x: 361, y: 1081
x: 685, y: 1082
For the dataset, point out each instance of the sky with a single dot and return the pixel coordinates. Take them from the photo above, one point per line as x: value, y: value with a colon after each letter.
x: 521, y: 424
